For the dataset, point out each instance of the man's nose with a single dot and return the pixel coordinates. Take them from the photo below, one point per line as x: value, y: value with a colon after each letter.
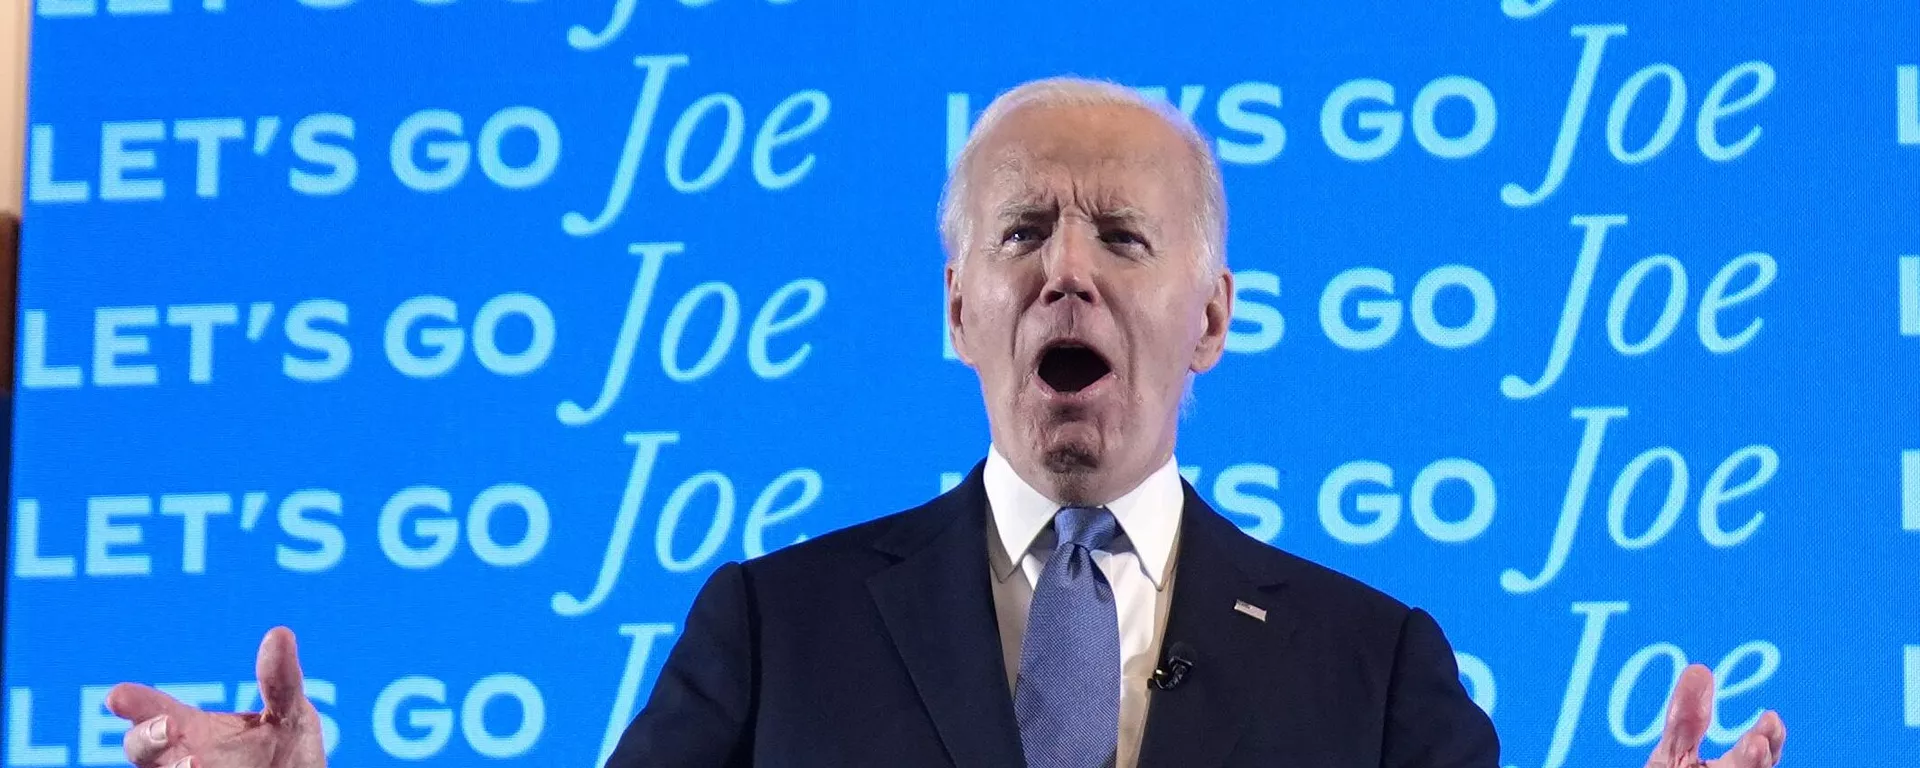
x: 1071, y: 262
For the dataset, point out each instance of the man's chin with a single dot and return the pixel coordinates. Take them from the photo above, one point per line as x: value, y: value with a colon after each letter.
x: 1069, y: 459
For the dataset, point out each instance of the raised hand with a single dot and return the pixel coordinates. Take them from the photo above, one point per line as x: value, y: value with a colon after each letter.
x: 1687, y: 719
x: 285, y: 734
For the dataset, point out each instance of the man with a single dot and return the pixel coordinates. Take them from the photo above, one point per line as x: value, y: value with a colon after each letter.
x: 1072, y: 602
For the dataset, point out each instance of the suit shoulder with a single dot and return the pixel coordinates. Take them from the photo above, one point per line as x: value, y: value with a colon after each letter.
x: 1339, y: 583
x: 840, y: 548
x: 1335, y: 596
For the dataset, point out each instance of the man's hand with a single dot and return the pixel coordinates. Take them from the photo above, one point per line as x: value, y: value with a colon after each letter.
x: 285, y: 734
x: 1687, y: 720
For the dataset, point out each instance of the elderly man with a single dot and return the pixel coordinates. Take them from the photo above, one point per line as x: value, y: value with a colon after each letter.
x: 1072, y: 602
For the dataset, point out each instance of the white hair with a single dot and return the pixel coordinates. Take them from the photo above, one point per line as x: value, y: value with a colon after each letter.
x: 956, y: 221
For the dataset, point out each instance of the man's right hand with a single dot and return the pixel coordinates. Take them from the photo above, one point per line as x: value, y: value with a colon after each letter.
x: 285, y: 734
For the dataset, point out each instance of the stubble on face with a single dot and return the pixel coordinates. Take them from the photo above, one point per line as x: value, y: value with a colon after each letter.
x: 1069, y: 457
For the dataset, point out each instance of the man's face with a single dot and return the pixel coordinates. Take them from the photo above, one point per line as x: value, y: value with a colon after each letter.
x: 1084, y: 300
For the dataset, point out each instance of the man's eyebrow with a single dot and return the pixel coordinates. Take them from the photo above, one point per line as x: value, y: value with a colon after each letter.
x: 1015, y: 210
x: 1126, y: 215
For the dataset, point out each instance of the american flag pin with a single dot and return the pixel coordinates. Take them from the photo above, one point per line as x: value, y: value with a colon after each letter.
x: 1250, y: 609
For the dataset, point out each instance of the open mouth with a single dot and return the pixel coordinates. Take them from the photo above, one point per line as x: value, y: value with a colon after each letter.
x: 1070, y: 366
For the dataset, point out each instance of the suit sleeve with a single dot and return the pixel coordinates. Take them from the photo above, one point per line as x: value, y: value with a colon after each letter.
x: 1431, y: 722
x: 701, y: 711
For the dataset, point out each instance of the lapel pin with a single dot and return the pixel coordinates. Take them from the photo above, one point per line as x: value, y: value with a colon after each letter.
x: 1250, y: 609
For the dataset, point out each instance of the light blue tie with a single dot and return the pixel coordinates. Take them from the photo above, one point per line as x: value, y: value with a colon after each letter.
x: 1068, y: 696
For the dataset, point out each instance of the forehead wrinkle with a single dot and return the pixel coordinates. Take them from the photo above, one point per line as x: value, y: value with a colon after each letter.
x: 1021, y: 182
x: 1105, y: 203
x: 1101, y: 207
x: 1016, y: 131
x: 1050, y: 154
x: 1029, y: 176
x: 1009, y: 185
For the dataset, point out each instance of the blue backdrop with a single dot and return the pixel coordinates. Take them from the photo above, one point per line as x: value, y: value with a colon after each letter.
x: 467, y: 336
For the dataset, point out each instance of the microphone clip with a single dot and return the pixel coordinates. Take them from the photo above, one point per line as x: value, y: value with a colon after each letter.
x: 1172, y: 672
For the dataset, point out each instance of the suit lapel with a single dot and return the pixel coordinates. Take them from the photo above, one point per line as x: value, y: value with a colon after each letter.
x: 1237, y: 655
x: 937, y: 604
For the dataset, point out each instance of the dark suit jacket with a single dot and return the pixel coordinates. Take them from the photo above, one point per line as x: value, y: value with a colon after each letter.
x: 877, y: 646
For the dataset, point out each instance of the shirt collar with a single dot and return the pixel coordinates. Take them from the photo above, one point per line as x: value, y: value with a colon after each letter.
x: 1149, y: 516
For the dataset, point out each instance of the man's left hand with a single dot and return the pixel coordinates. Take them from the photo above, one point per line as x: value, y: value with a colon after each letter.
x: 1687, y: 719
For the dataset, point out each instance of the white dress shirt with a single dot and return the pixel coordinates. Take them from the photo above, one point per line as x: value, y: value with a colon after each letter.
x: 1139, y: 567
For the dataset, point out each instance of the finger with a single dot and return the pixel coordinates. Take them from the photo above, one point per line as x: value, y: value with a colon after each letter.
x: 1688, y: 714
x: 140, y: 703
x: 1751, y: 751
x: 282, y: 689
x: 148, y: 740
x: 1774, y: 731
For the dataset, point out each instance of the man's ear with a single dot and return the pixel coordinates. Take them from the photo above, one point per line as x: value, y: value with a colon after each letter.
x: 1217, y: 316
x: 956, y: 330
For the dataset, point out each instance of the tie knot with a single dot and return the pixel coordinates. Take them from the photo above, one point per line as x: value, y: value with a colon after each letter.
x: 1086, y: 527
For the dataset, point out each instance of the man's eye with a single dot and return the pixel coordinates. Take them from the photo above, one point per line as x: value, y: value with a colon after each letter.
x: 1120, y: 237
x: 1025, y: 234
